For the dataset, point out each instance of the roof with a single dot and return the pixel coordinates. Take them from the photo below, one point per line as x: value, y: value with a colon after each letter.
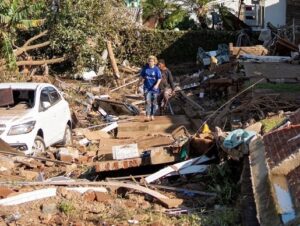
x: 22, y: 85
x: 279, y: 145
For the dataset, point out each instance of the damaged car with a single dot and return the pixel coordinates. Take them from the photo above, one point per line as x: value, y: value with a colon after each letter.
x: 34, y: 116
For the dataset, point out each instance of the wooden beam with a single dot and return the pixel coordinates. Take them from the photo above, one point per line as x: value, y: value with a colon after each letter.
x: 183, y: 190
x: 33, y: 157
x: 176, y: 167
x: 166, y: 201
x: 112, y: 59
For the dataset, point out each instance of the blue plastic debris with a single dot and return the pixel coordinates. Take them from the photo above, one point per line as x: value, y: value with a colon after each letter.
x: 237, y: 137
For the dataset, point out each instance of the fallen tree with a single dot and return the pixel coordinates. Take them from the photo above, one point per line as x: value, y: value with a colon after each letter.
x: 19, y: 51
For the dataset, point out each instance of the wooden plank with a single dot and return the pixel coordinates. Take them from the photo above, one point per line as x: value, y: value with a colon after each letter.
x: 166, y: 201
x: 176, y: 167
x: 161, y: 124
x: 183, y: 190
x: 38, y: 158
x: 189, y: 170
x: 258, y: 50
x: 112, y: 59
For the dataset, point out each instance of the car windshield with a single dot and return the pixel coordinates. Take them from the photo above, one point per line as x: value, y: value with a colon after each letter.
x: 12, y: 98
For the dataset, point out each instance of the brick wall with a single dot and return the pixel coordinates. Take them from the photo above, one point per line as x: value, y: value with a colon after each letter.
x: 276, y: 146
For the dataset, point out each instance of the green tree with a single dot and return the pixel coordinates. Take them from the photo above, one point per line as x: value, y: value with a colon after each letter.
x: 196, y: 6
x: 81, y: 28
x: 160, y: 10
x: 16, y: 15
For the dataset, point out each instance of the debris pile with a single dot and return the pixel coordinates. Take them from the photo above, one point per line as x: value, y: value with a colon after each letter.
x: 236, y: 90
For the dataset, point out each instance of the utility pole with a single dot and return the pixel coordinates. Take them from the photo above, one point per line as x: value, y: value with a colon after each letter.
x: 240, y: 7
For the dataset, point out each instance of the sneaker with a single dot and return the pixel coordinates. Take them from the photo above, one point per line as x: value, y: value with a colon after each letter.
x: 152, y: 118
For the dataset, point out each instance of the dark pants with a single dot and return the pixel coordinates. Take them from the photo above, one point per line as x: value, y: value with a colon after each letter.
x: 163, y: 98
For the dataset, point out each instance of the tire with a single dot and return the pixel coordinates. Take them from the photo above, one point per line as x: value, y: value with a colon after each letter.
x: 38, y: 146
x: 68, y: 139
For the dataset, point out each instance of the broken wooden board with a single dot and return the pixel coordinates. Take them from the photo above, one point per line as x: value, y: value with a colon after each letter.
x: 144, y: 143
x: 95, y: 135
x: 106, y: 144
x: 166, y: 201
x: 42, y: 194
x: 154, y: 141
x: 278, y: 71
x: 189, y: 170
x: 176, y: 167
x: 161, y: 124
x: 258, y: 50
x: 158, y: 155
x: 184, y: 190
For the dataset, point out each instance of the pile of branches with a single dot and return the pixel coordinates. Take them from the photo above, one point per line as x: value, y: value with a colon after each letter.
x: 254, y: 108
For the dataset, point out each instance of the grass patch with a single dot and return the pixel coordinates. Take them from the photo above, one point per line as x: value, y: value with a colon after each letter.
x: 280, y: 87
x: 270, y: 123
x: 222, y: 217
x: 66, y: 207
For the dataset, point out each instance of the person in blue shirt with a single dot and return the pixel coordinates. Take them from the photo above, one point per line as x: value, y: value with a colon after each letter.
x: 152, y: 77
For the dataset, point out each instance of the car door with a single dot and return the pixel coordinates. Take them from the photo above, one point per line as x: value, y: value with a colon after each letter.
x: 47, y: 117
x: 61, y: 116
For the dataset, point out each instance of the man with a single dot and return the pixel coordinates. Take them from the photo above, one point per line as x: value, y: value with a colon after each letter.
x: 152, y: 77
x: 166, y: 86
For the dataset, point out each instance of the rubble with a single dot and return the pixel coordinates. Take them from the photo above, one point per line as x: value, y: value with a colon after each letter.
x: 177, y: 154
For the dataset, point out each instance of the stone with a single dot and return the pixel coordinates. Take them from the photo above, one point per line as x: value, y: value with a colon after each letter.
x: 89, y: 196
x: 29, y: 175
x: 49, y: 208
x: 82, y: 159
x: 102, y: 197
x: 45, y: 218
x: 69, y: 195
x: 49, y: 164
x: 155, y: 224
x: 71, y: 153
x: 130, y: 204
x: 78, y: 223
x: 145, y: 205
x: 6, y: 163
x: 66, y: 158
x: 5, y: 192
x: 70, y: 168
x: 50, y: 155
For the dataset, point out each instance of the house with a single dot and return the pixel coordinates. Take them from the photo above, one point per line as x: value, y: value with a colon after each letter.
x: 275, y: 174
x: 257, y: 13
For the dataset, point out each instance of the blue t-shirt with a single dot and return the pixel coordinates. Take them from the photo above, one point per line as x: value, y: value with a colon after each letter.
x: 151, y: 76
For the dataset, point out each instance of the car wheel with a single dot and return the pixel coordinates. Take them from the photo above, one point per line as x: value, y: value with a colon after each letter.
x: 38, y: 146
x: 68, y: 139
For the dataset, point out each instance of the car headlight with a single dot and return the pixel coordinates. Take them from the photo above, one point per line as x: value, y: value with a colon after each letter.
x: 22, y: 128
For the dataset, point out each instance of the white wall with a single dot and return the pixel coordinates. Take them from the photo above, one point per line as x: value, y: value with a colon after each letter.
x: 275, y: 12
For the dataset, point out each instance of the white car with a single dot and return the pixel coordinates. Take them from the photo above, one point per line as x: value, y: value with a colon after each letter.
x: 33, y: 116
